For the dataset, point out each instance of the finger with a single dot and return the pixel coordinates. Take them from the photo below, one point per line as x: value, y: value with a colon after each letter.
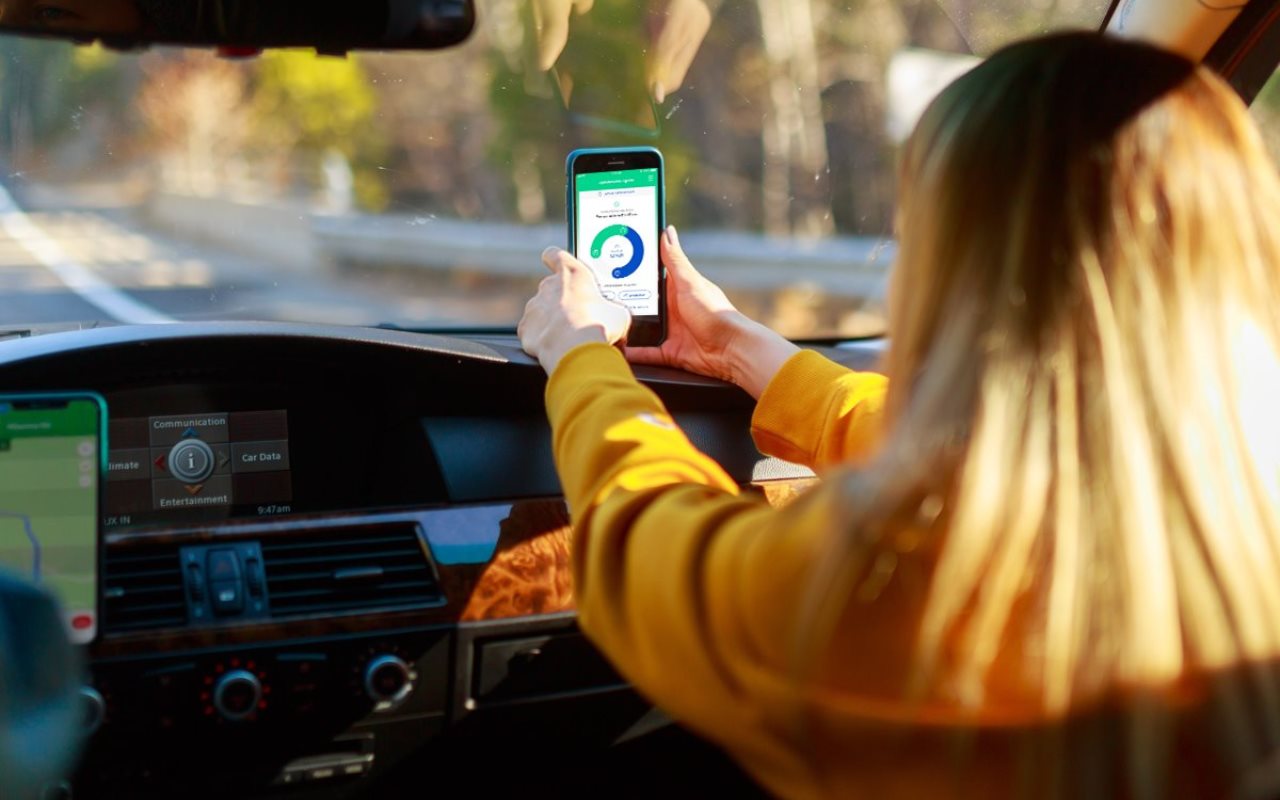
x: 527, y: 318
x: 673, y: 255
x: 681, y: 60
x: 583, y: 6
x: 656, y: 74
x: 556, y: 259
x: 553, y: 34
x: 695, y: 24
x: 679, y: 35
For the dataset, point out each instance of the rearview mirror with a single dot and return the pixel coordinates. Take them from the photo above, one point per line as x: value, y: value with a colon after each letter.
x: 329, y: 26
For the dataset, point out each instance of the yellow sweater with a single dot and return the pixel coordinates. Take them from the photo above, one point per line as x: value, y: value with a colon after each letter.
x: 691, y: 586
x: 694, y: 590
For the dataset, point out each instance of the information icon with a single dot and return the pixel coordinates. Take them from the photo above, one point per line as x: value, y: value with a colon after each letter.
x: 191, y: 461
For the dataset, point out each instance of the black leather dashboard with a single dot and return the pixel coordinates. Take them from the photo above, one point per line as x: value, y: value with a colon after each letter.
x: 377, y: 418
x: 393, y: 437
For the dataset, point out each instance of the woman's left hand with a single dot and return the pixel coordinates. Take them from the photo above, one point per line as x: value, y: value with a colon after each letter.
x: 567, y: 311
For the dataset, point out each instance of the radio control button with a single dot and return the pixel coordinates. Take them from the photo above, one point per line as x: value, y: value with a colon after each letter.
x: 388, y: 680
x: 236, y: 695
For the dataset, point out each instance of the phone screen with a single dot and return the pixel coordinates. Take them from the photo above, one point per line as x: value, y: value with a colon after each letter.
x: 617, y: 235
x: 50, y: 469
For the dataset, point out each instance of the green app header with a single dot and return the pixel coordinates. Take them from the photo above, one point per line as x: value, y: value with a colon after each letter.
x: 76, y: 418
x: 622, y: 179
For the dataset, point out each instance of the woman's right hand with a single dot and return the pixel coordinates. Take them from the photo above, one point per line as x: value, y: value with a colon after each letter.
x: 706, y: 334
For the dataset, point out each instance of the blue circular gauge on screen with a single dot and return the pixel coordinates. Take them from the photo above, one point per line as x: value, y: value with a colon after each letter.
x: 637, y: 248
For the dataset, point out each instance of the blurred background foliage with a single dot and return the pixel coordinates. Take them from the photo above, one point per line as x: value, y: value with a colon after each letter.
x: 779, y: 126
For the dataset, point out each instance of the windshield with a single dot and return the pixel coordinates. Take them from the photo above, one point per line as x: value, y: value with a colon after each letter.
x: 418, y: 189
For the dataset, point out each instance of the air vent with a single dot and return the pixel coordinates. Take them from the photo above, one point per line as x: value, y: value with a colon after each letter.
x: 142, y: 589
x: 356, y: 568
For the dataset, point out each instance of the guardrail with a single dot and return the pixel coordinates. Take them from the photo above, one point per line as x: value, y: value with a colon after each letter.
x: 853, y: 267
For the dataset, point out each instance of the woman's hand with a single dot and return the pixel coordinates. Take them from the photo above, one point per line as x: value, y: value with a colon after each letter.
x: 706, y: 334
x: 676, y: 31
x: 551, y: 26
x: 567, y: 311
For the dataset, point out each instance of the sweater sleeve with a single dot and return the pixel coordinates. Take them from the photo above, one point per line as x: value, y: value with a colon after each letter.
x: 817, y: 413
x: 689, y: 585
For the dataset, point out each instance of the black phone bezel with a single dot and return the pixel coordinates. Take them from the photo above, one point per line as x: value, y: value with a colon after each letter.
x: 646, y: 330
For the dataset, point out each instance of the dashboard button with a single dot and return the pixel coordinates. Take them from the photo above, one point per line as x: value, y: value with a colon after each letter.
x: 388, y: 680
x: 237, y: 694
x: 195, y: 583
x: 270, y: 456
x: 228, y: 597
x: 253, y: 577
x: 129, y: 465
x: 223, y: 564
x: 171, y: 494
x: 209, y: 427
x: 191, y: 461
x: 222, y: 459
x: 94, y: 709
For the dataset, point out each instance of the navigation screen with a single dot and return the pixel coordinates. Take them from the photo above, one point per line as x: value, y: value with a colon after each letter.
x: 50, y: 464
x: 617, y: 235
x: 212, y: 464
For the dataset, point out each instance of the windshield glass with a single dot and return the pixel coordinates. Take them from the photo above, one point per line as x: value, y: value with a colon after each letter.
x: 419, y: 189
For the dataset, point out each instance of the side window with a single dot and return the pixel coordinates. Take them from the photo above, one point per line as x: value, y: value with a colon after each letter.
x: 1266, y: 112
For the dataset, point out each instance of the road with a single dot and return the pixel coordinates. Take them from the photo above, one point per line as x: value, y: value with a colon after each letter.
x: 73, y: 257
x: 84, y: 255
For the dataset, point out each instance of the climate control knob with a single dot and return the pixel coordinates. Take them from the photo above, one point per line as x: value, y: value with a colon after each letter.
x: 236, y: 694
x: 388, y: 680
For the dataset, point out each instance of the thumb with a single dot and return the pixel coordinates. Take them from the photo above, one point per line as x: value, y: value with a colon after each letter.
x: 678, y: 264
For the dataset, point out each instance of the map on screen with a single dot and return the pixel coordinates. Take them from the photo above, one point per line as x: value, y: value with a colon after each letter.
x: 50, y: 465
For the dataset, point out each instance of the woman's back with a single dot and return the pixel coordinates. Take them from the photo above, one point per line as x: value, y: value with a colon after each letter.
x: 1057, y: 572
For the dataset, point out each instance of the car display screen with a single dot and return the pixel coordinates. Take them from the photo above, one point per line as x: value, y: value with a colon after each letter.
x: 50, y: 463
x: 201, y: 465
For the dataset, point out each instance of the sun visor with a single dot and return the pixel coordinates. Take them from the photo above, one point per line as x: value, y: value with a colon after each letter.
x: 1189, y: 27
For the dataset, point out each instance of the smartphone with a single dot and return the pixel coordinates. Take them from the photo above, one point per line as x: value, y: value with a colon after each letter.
x: 616, y: 209
x: 52, y: 465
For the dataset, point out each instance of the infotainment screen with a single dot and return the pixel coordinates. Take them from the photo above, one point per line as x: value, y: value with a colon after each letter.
x: 50, y: 468
x: 199, y: 465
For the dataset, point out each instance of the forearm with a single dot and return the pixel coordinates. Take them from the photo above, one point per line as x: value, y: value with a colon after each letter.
x: 755, y: 354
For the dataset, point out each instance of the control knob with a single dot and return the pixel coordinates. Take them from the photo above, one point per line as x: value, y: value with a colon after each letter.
x: 388, y: 680
x: 93, y: 708
x: 236, y: 695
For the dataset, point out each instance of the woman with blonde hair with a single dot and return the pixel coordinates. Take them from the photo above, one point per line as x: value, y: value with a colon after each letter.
x: 1045, y: 556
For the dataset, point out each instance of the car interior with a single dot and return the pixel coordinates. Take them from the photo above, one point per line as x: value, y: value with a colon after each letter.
x: 332, y: 557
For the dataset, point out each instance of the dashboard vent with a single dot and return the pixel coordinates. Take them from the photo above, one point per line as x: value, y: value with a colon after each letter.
x: 142, y: 589
x: 355, y: 568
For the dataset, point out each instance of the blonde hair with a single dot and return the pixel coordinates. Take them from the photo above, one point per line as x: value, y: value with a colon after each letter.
x: 1084, y: 365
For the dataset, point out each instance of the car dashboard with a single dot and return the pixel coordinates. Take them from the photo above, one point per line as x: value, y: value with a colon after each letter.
x: 336, y: 561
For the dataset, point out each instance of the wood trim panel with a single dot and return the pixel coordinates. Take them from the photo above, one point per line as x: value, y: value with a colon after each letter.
x: 527, y: 573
